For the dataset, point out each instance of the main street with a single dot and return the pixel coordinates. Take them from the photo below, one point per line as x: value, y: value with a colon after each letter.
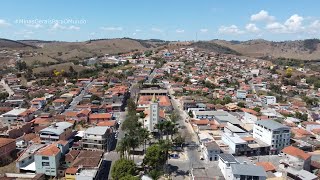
x: 77, y: 99
x: 190, y: 158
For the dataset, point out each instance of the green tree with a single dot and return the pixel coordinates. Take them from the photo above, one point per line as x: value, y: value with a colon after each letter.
x: 155, y: 174
x: 21, y: 65
x: 169, y: 128
x: 160, y: 127
x: 131, y: 106
x: 190, y: 114
x: 155, y: 157
x: 123, y: 168
x: 175, y: 116
x: 257, y: 109
x: 3, y: 95
x: 123, y: 148
x: 95, y: 98
x: 227, y: 100
x: 148, y: 53
x: 178, y: 141
x: 241, y: 104
x: 129, y: 177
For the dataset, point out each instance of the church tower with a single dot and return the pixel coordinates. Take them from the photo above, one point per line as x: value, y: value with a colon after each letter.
x: 154, y: 113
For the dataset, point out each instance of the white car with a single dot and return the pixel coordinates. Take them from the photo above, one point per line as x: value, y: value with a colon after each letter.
x: 280, y: 155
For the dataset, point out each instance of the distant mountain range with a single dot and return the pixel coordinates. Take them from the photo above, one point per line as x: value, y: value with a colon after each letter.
x: 308, y: 49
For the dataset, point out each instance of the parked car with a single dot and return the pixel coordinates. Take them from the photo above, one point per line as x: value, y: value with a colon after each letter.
x: 174, y: 156
x: 280, y: 155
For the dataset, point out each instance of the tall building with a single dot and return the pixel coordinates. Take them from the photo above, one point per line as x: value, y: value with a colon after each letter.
x: 153, y: 114
x: 98, y: 137
x: 276, y: 135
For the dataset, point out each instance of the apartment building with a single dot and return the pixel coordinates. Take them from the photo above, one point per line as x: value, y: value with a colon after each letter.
x: 55, y: 132
x: 272, y: 133
x: 48, y: 160
x: 98, y: 137
x: 269, y: 100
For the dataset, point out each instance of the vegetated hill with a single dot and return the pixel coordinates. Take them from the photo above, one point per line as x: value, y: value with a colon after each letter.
x: 7, y: 43
x: 65, y: 51
x: 308, y: 49
x: 212, y: 46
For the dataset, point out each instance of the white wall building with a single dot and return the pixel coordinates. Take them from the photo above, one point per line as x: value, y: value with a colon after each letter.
x: 272, y: 133
x: 233, y: 170
x: 11, y: 117
x: 269, y: 100
x: 241, y: 94
x: 211, y: 151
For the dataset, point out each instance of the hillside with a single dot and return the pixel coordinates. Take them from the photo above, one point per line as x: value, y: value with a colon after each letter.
x: 7, y: 43
x: 308, y: 49
x: 80, y: 50
x: 214, y: 47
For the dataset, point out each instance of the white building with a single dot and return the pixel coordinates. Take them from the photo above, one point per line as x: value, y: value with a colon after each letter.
x: 98, y: 137
x: 211, y: 151
x: 233, y: 170
x: 269, y: 100
x: 12, y: 116
x: 241, y: 94
x: 153, y: 115
x: 47, y: 160
x: 272, y: 133
x: 235, y: 143
x: 295, y: 158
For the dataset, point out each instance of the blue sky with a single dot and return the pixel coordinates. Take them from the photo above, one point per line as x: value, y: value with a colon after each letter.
x: 76, y: 20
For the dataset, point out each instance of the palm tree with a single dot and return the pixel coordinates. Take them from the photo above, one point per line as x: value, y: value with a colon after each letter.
x: 169, y: 128
x: 165, y: 145
x: 160, y: 126
x: 133, y: 142
x: 123, y: 148
x: 144, y: 136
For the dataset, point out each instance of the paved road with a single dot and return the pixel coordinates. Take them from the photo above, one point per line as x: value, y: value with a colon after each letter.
x: 7, y: 87
x: 183, y: 168
x: 113, y: 156
x: 76, y: 100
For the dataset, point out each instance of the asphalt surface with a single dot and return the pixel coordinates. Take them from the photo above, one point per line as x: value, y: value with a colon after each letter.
x: 76, y: 100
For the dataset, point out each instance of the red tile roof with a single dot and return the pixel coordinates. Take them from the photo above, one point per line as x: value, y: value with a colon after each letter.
x: 5, y: 141
x: 71, y: 170
x: 50, y: 150
x: 293, y: 151
x: 107, y: 123
x: 267, y: 166
x: 100, y: 116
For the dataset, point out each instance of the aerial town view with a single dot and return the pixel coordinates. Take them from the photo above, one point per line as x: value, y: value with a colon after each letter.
x: 160, y: 90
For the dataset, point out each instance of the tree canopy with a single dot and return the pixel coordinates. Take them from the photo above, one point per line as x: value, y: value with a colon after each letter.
x: 123, y: 168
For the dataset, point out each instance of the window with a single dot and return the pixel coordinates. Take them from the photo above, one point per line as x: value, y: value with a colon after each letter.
x: 45, y: 158
x: 45, y: 164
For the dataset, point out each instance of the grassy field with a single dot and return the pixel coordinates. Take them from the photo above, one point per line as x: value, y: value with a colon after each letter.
x: 38, y: 60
